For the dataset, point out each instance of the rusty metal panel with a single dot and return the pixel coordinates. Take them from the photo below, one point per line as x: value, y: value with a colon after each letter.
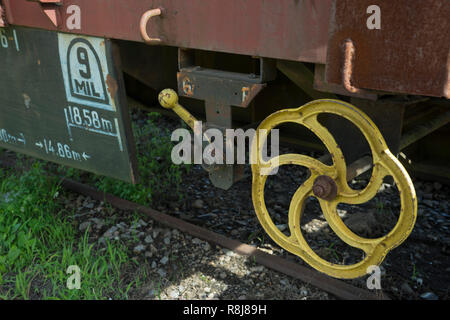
x: 223, y: 87
x: 285, y: 29
x: 409, y: 54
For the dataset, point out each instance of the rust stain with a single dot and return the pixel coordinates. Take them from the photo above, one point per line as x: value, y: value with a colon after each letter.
x: 3, y: 22
x: 111, y: 83
x: 245, y: 92
x: 248, y: 94
x: 188, y: 87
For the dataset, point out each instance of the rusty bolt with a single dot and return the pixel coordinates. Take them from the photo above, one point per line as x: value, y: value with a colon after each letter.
x: 325, y: 188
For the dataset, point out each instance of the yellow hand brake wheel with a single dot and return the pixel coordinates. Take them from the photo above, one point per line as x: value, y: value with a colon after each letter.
x: 328, y: 182
x: 331, y: 182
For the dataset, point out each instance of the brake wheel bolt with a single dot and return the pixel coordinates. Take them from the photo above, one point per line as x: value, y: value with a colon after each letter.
x: 325, y: 188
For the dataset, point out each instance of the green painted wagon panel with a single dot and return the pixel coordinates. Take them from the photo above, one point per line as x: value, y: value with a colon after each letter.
x: 62, y: 99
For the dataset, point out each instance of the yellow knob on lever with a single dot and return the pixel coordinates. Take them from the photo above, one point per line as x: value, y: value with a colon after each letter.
x: 168, y: 99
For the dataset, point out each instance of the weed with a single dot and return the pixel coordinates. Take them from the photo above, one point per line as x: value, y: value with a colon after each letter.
x: 37, y: 245
x: 38, y: 241
x: 333, y: 251
x: 159, y: 178
x: 415, y: 273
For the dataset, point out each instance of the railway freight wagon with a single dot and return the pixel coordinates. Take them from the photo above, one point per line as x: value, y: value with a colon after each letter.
x: 371, y: 77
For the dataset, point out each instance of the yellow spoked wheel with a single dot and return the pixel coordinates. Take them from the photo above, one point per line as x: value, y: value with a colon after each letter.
x: 329, y: 185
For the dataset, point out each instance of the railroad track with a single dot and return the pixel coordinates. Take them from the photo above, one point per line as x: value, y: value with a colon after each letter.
x: 336, y: 287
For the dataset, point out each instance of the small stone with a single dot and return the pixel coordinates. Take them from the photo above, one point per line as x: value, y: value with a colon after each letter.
x: 207, y: 290
x: 429, y: 296
x: 121, y: 226
x: 166, y: 241
x: 242, y: 297
x: 162, y: 272
x: 148, y: 254
x: 437, y: 186
x: 153, y: 249
x: 84, y: 226
x: 229, y: 253
x: 156, y: 233
x: 406, y: 289
x: 284, y: 282
x: 206, y: 246
x: 428, y: 203
x: 89, y: 205
x: 153, y: 265
x: 257, y: 269
x: 164, y: 260
x: 148, y: 239
x: 142, y: 223
x: 139, y: 248
x: 342, y: 213
x: 304, y: 292
x: 282, y: 227
x: 196, y: 241
x: 151, y: 293
x: 175, y: 233
x: 222, y: 275
x: 99, y: 223
x: 198, y: 204
x: 167, y: 234
x: 141, y: 235
x: 362, y: 223
x: 174, y: 294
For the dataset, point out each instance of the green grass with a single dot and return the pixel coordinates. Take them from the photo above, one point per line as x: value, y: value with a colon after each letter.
x: 38, y: 244
x: 159, y: 178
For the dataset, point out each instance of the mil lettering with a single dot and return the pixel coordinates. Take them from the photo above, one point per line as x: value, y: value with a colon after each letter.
x: 211, y: 311
x: 86, y: 88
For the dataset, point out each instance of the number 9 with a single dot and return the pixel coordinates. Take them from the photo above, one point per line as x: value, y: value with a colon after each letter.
x: 83, y: 59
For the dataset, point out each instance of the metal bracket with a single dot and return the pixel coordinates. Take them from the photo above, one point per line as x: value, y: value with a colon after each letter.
x: 50, y: 8
x: 143, y: 26
x: 3, y: 22
x: 221, y: 90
